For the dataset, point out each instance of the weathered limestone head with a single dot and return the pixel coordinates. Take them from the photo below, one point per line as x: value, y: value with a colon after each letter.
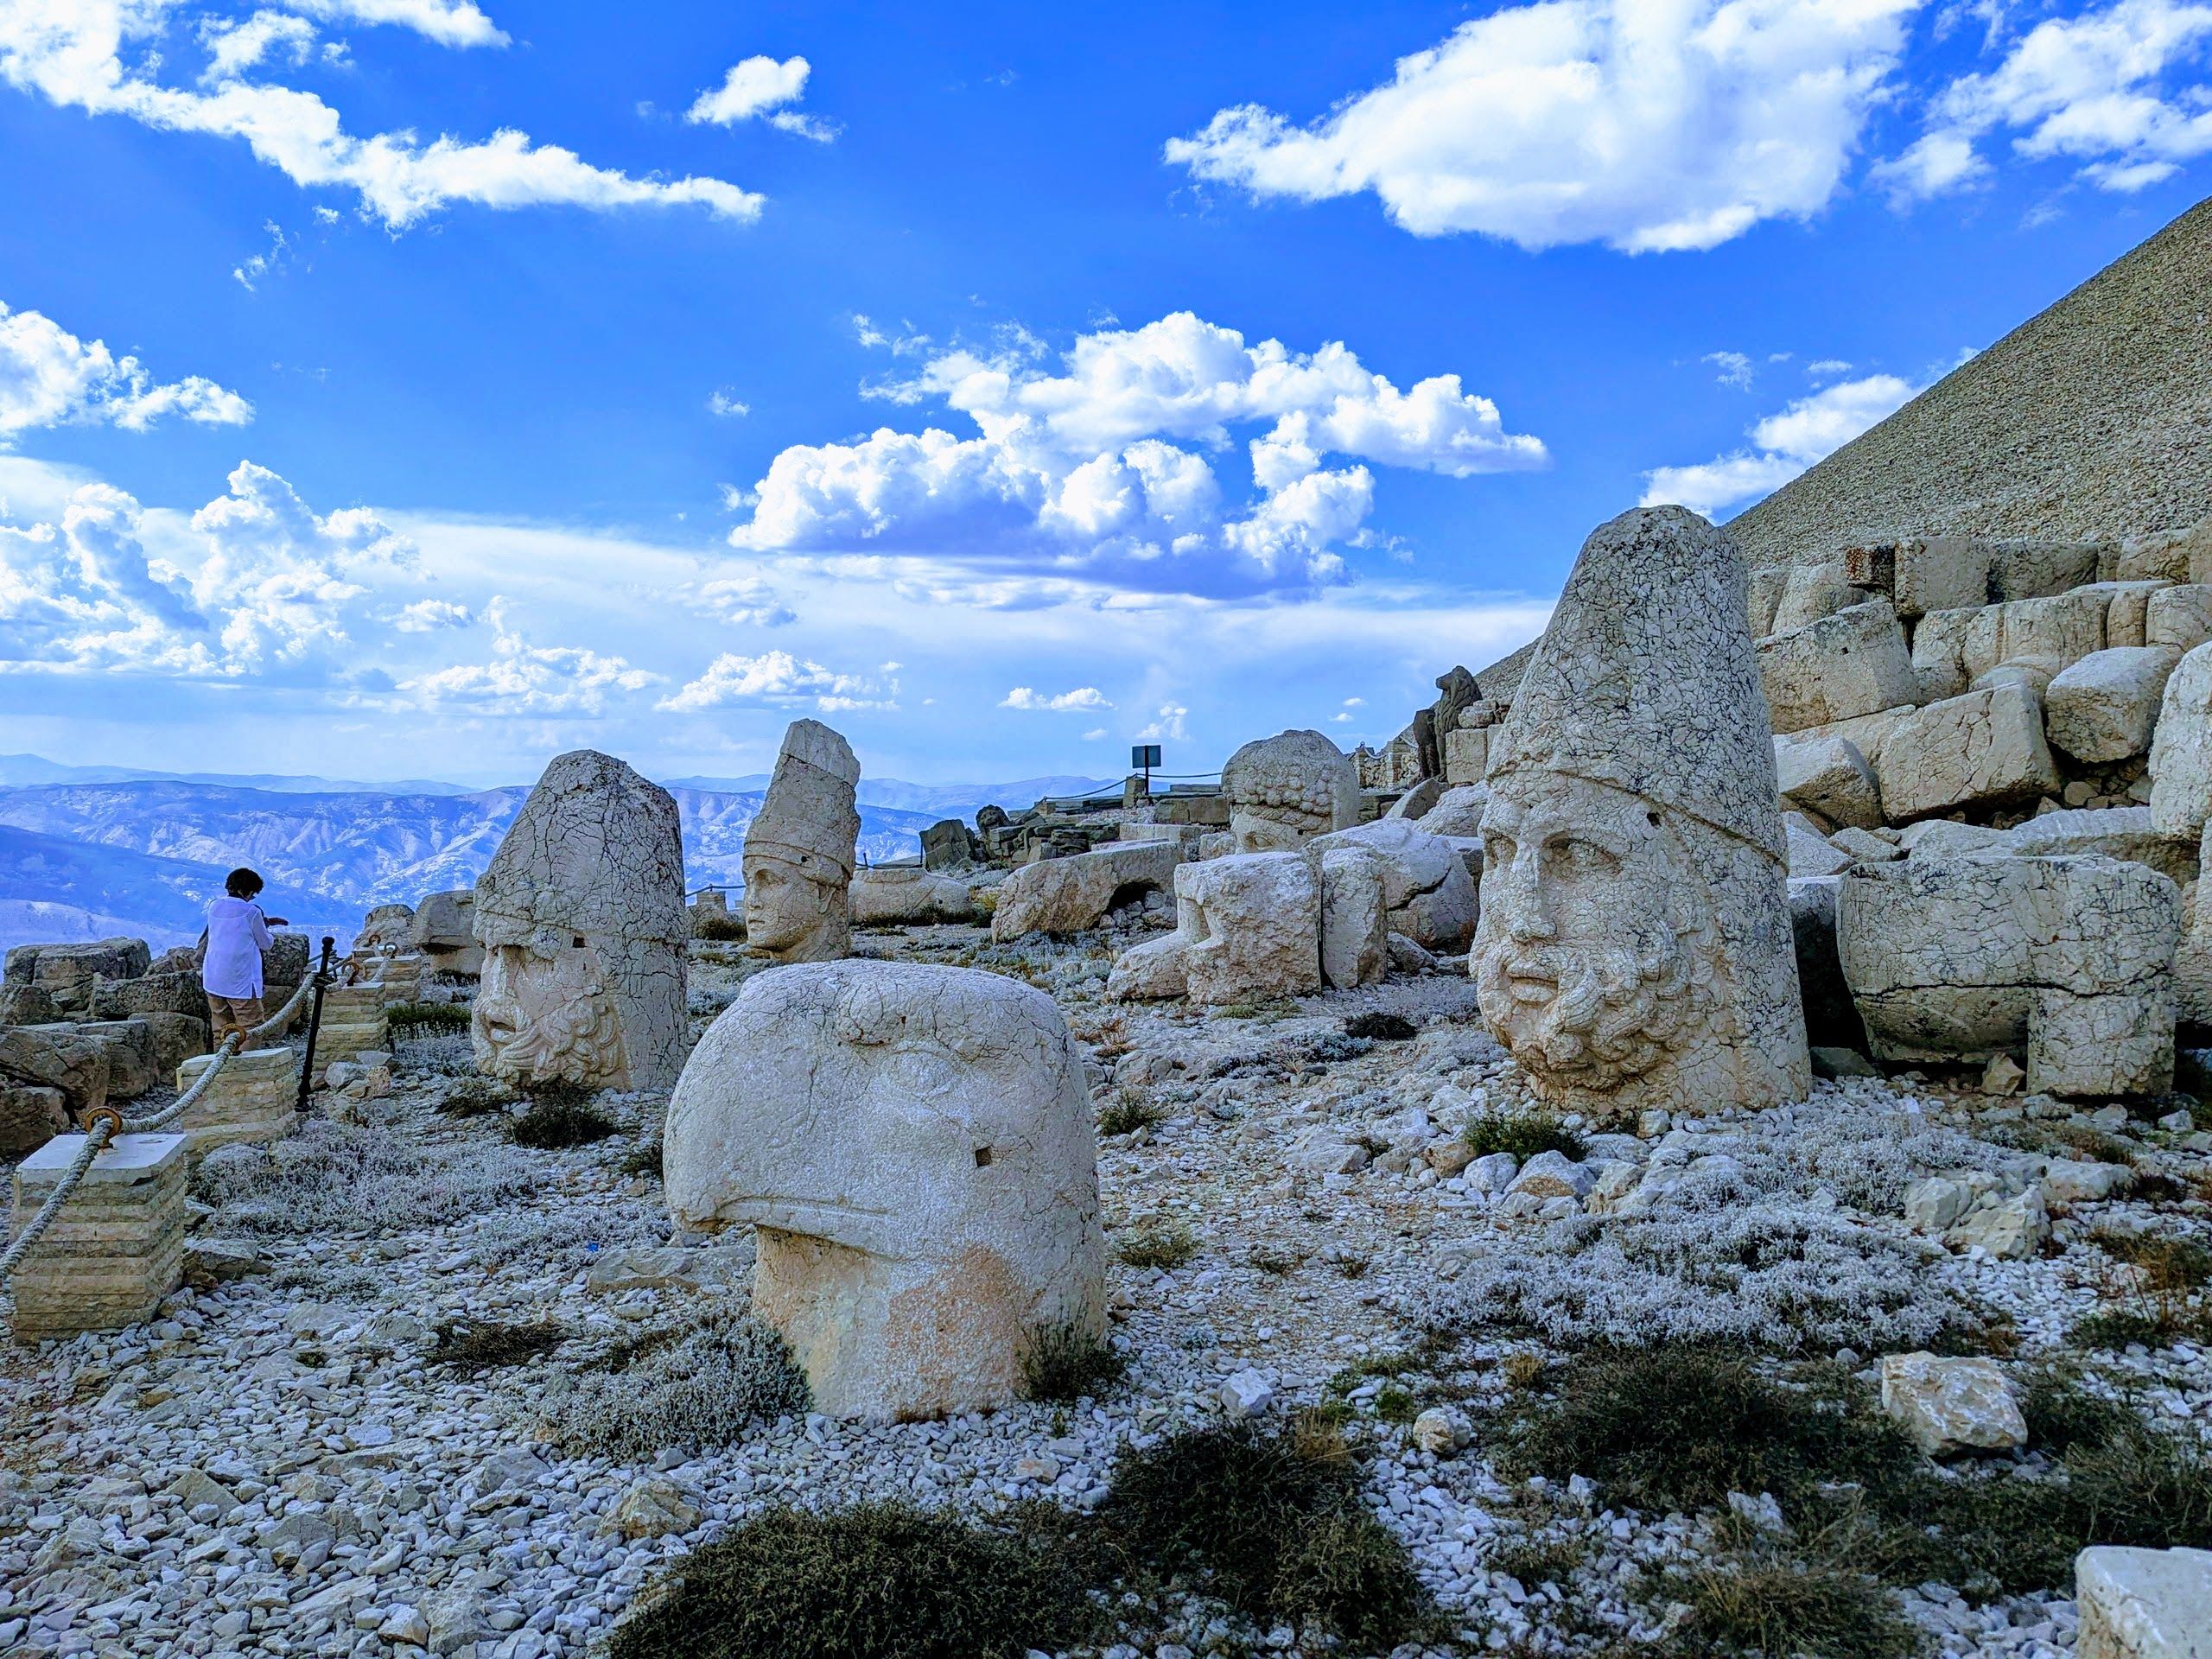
x: 581, y: 916
x: 915, y: 1146
x: 1282, y: 791
x: 1634, y: 949
x: 798, y: 851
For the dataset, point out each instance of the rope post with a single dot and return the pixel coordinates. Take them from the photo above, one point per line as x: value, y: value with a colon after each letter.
x: 315, y: 1019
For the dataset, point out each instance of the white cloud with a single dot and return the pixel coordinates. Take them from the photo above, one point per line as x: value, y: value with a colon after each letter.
x: 1172, y: 726
x: 1644, y: 124
x: 1094, y: 734
x: 1340, y: 718
x: 1085, y: 465
x: 235, y: 46
x: 2105, y: 88
x: 1822, y: 368
x: 1081, y: 700
x: 741, y: 601
x: 1355, y: 702
x: 777, y: 679
x: 1783, y: 445
x: 431, y: 615
x: 449, y: 22
x: 720, y: 403
x: 1735, y: 368
x: 49, y: 377
x: 525, y: 679
x: 72, y: 56
x: 759, y: 87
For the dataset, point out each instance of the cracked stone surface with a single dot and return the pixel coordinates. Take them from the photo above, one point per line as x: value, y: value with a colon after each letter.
x: 581, y: 916
x: 913, y: 1145
x: 1634, y: 948
x: 1284, y: 789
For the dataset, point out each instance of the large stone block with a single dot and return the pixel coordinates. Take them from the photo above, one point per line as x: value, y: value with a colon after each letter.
x: 1839, y: 667
x: 1466, y: 755
x: 57, y: 1056
x: 907, y: 896
x: 1810, y: 592
x: 1355, y: 917
x: 1828, y: 776
x: 2121, y: 832
x: 2105, y: 706
x: 133, y: 1065
x: 946, y: 846
x: 1983, y: 748
x: 31, y: 1113
x: 1250, y: 927
x: 68, y: 972
x: 1961, y: 959
x: 914, y: 1146
x: 117, y: 1247
x: 153, y: 993
x: 1072, y: 895
x: 2181, y: 749
x: 2143, y: 1603
x: 1429, y: 894
x: 2179, y: 616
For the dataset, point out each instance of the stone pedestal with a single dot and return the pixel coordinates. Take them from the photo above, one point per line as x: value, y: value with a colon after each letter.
x: 353, y: 1024
x: 255, y: 1097
x: 118, y: 1246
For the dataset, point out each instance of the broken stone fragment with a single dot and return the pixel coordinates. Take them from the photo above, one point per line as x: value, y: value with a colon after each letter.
x: 1952, y: 1405
x: 1552, y: 1175
x: 2144, y: 1603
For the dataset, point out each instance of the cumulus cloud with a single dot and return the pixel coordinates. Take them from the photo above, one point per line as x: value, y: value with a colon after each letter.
x: 2116, y: 89
x: 1083, y: 699
x: 722, y: 403
x: 235, y: 46
x: 73, y: 56
x: 777, y: 679
x: 449, y: 22
x: 1644, y: 124
x: 431, y: 615
x: 526, y: 679
x: 739, y: 601
x: 49, y: 377
x: 1734, y: 369
x: 1783, y: 446
x: 757, y: 87
x: 1088, y: 464
x: 1172, y: 726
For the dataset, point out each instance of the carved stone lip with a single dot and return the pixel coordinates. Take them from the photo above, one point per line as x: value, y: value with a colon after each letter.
x: 860, y: 1226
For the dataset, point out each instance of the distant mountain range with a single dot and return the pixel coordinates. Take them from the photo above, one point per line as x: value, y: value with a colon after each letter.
x: 89, y: 852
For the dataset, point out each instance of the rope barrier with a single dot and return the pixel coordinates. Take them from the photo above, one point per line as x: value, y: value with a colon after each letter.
x: 106, y: 1123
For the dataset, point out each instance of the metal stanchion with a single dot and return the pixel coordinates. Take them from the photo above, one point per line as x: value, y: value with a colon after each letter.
x: 315, y: 1018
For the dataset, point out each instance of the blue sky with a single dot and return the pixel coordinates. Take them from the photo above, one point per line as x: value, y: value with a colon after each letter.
x: 404, y: 387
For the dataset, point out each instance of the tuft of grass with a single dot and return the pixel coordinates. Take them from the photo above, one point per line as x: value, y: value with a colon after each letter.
x: 644, y: 1158
x: 1129, y: 1110
x: 703, y: 1384
x: 878, y: 1581
x: 2167, y: 1264
x: 1069, y: 1362
x: 557, y: 1121
x: 1539, y: 1561
x: 411, y: 1020
x: 720, y: 929
x: 1382, y: 1027
x: 475, y: 1098
x: 1157, y: 1242
x: 477, y: 1345
x: 1522, y: 1132
x: 1266, y: 1013
x: 1770, y: 1597
x: 1271, y: 1523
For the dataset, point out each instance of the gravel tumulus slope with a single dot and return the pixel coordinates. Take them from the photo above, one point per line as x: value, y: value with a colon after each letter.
x: 2093, y: 418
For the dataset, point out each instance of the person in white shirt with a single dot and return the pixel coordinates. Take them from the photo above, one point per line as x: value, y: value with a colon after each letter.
x: 230, y: 967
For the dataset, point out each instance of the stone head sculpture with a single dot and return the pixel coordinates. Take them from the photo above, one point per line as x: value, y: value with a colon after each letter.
x: 582, y: 920
x: 799, y: 850
x: 1634, y: 947
x: 914, y: 1146
x: 1283, y: 790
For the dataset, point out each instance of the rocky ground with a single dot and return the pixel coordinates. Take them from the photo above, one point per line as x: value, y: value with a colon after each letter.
x: 287, y: 1461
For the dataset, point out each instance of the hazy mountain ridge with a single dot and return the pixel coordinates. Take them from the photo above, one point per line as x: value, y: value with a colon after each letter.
x: 85, y: 861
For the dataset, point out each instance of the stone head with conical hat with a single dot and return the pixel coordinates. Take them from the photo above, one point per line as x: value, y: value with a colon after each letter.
x: 798, y: 849
x: 1635, y: 947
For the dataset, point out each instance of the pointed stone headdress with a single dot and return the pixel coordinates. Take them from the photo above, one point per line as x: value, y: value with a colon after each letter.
x: 808, y: 818
x: 1646, y: 679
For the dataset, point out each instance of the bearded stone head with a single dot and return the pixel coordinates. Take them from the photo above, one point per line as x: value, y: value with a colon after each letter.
x: 546, y: 1012
x: 1592, y: 958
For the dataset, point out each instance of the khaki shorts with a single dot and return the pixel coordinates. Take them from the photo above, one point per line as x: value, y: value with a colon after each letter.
x: 228, y: 1014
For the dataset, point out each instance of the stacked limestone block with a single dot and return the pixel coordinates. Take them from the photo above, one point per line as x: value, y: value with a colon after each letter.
x: 117, y: 1247
x: 255, y: 1097
x: 352, y: 1023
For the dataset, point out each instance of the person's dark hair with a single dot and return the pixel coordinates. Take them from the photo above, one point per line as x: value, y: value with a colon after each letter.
x: 242, y: 883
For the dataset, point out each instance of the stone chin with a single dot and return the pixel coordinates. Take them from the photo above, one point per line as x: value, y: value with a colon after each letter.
x: 1590, y: 1018
x: 539, y: 1019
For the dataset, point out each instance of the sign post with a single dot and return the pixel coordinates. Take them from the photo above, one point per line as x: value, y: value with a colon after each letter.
x: 1144, y: 757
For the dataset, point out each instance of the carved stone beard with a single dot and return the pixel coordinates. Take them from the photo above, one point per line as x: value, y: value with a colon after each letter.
x: 541, y: 1018
x: 1617, y: 1011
